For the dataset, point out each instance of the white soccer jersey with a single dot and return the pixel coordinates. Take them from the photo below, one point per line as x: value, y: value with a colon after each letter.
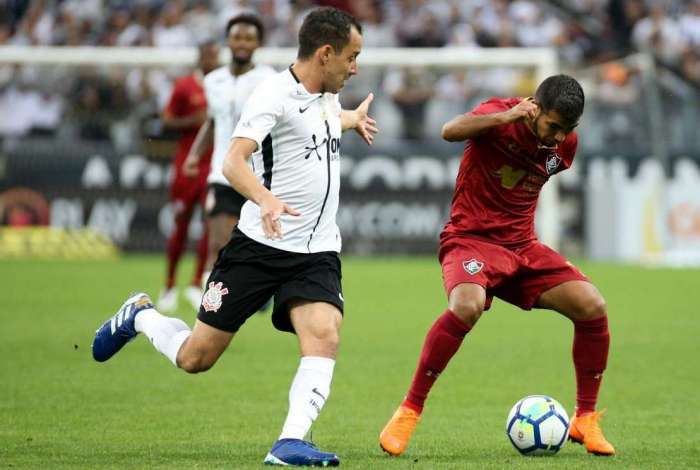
x: 226, y: 95
x: 298, y: 159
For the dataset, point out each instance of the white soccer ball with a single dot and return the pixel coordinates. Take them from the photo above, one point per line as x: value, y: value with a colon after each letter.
x: 537, y: 425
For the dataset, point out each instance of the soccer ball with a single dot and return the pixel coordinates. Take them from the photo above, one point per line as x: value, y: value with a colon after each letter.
x: 537, y: 425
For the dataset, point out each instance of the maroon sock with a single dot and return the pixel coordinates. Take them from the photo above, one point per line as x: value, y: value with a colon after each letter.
x: 441, y: 343
x: 202, y: 247
x: 590, y: 351
x: 176, y: 245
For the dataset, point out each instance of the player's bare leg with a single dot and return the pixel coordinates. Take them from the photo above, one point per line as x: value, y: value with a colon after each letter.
x: 191, y: 350
x: 581, y: 302
x: 220, y: 227
x: 203, y: 348
x: 317, y: 325
x: 465, y: 305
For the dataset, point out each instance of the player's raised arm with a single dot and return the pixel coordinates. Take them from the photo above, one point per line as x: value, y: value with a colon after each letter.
x: 242, y: 179
x: 360, y: 120
x: 466, y: 126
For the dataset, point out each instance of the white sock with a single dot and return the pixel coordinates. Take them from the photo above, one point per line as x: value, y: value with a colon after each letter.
x: 165, y: 333
x: 307, y: 395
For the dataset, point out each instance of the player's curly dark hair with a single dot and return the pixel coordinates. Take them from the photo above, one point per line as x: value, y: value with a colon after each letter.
x: 250, y: 19
x: 563, y: 94
x: 325, y: 25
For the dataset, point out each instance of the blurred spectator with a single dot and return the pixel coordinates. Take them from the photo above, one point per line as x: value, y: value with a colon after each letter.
x: 690, y: 25
x: 582, y: 31
x: 201, y: 23
x: 19, y: 104
x: 418, y: 26
x: 375, y: 31
x: 659, y: 34
x: 170, y: 31
x: 617, y: 104
x: 690, y: 66
x: 410, y: 88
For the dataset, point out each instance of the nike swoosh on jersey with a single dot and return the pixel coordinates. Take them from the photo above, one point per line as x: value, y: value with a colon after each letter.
x: 303, y: 110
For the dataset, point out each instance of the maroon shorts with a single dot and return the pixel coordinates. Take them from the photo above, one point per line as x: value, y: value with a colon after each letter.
x: 186, y: 192
x: 518, y: 276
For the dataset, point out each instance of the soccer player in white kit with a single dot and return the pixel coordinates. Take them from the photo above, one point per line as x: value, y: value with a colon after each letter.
x: 285, y: 159
x: 227, y: 89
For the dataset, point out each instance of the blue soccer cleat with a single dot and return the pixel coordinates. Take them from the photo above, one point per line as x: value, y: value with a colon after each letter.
x: 298, y: 453
x: 119, y: 330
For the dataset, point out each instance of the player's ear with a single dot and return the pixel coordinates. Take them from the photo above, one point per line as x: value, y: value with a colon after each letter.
x: 325, y: 52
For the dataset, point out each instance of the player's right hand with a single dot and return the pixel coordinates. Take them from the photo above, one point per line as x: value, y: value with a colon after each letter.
x: 271, y: 209
x: 190, y: 167
x: 526, y: 109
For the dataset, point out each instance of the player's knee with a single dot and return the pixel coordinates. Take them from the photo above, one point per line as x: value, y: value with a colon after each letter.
x: 322, y: 340
x: 468, y: 310
x: 328, y: 336
x: 195, y: 364
x: 594, y: 307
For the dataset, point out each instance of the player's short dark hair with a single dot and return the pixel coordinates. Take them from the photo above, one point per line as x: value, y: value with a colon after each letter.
x: 250, y: 19
x: 563, y: 94
x: 325, y: 25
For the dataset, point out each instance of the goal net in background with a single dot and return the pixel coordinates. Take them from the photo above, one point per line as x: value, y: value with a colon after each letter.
x: 97, y: 154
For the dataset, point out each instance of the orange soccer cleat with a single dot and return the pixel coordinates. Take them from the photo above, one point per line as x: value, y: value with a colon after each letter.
x: 585, y: 430
x: 397, y: 432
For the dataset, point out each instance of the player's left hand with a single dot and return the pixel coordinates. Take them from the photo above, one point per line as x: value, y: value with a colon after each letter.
x: 365, y: 125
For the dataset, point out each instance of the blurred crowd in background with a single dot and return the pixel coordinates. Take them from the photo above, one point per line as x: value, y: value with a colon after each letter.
x: 592, y: 38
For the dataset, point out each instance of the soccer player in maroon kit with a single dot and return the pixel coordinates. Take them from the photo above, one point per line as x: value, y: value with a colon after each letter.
x: 489, y: 248
x: 186, y: 112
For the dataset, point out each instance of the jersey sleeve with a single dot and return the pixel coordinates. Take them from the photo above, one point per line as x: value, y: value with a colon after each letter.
x: 489, y: 107
x: 261, y: 112
x: 494, y: 105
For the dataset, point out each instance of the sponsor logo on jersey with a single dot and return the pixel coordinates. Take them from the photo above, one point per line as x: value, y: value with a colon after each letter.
x: 303, y: 110
x: 212, y: 299
x: 472, y: 266
x: 314, y: 147
x: 553, y: 162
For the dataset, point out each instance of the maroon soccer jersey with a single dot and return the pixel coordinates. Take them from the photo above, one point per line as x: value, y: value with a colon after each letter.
x: 187, y: 99
x: 500, y: 178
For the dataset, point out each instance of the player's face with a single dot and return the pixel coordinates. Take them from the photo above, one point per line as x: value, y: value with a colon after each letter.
x: 208, y: 58
x: 551, y: 129
x: 243, y: 40
x: 340, y: 67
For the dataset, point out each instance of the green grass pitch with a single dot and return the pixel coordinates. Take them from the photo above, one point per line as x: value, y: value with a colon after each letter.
x: 60, y: 409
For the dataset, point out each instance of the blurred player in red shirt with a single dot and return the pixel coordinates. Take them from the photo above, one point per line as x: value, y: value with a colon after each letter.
x: 489, y: 248
x: 186, y: 112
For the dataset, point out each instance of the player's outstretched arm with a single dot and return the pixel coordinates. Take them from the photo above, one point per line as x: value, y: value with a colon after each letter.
x: 241, y: 177
x: 466, y: 126
x: 359, y: 120
x: 203, y: 141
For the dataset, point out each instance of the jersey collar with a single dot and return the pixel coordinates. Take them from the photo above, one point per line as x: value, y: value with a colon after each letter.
x: 300, y: 86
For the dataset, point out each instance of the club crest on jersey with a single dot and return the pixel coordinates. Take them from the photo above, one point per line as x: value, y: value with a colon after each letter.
x: 553, y: 162
x: 472, y: 266
x: 212, y: 299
